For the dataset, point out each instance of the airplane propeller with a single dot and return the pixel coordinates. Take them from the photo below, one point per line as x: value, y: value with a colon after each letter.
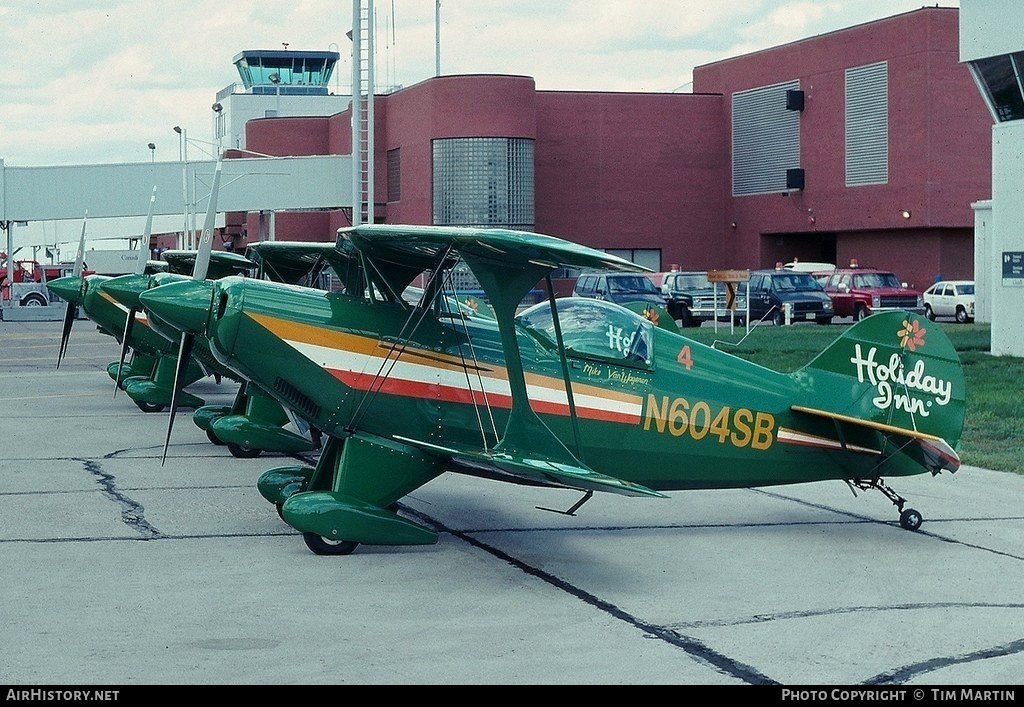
x: 71, y: 310
x: 198, y: 275
x: 140, y: 268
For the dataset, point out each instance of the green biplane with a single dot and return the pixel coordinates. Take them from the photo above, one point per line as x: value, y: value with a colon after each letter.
x: 570, y: 393
x: 148, y: 375
x: 253, y: 423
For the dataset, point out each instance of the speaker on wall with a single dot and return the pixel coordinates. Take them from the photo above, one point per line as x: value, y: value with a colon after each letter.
x: 794, y: 100
x: 794, y: 178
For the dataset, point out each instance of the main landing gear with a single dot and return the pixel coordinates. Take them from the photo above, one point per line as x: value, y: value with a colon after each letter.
x: 910, y: 519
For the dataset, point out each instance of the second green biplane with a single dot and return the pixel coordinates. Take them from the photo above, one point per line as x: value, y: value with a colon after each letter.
x: 570, y: 393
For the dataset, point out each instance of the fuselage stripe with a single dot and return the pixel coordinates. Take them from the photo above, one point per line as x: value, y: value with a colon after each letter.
x: 450, y: 383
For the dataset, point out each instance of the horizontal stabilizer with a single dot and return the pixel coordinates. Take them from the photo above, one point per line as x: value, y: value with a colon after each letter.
x: 534, y: 470
x: 937, y: 454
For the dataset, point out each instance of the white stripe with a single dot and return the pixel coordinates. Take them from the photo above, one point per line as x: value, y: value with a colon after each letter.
x: 344, y: 360
x: 794, y: 437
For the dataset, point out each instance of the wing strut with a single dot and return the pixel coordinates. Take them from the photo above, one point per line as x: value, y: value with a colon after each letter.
x: 565, y: 374
x: 505, y: 285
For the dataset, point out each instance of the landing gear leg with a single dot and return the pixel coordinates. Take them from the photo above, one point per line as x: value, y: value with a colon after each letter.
x: 910, y: 519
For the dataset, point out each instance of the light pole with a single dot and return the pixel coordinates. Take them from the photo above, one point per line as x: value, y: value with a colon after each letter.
x: 275, y: 78
x: 183, y: 156
x: 437, y: 38
x: 218, y: 130
x: 152, y: 151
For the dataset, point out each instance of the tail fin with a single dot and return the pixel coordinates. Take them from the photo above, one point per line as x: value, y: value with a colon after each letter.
x: 896, y: 372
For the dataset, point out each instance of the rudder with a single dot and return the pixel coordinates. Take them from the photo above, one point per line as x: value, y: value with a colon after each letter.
x: 892, y: 368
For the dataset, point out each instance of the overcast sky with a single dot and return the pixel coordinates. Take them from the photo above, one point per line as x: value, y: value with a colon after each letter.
x: 96, y: 81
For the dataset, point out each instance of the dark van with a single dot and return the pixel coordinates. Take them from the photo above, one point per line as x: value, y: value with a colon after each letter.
x: 618, y: 287
x: 770, y: 292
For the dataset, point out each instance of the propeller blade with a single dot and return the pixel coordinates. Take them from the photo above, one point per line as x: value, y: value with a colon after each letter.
x: 198, y: 273
x: 184, y: 353
x: 71, y: 310
x: 80, y: 256
x: 124, y: 348
x: 69, y: 318
x: 206, y: 240
x: 140, y: 268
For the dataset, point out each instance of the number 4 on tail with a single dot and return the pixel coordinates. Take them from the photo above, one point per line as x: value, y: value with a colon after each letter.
x: 685, y: 358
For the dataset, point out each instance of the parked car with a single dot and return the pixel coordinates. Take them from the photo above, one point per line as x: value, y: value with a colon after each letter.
x: 950, y: 298
x: 808, y: 266
x: 618, y: 287
x: 692, y: 299
x: 858, y: 292
x: 771, y: 292
x: 819, y: 271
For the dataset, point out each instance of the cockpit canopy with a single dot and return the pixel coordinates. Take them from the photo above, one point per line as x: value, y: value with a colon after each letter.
x: 592, y: 329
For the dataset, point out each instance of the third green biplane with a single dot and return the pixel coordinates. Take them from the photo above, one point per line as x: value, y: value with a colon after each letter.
x: 569, y: 393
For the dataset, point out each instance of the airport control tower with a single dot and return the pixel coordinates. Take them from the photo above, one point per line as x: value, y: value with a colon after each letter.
x: 275, y: 83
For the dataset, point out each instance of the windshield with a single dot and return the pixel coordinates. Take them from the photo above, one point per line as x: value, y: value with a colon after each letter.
x: 795, y: 282
x: 696, y: 281
x: 631, y: 283
x: 875, y: 280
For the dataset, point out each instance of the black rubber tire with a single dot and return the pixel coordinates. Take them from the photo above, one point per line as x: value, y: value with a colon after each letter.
x: 860, y: 314
x: 33, y: 299
x: 241, y: 452
x: 911, y: 519
x: 210, y: 435
x: 149, y: 407
x: 320, y: 545
x: 779, y: 319
x: 928, y: 312
x: 961, y: 315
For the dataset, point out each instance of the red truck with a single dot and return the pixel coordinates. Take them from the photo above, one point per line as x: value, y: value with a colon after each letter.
x: 27, y: 286
x: 858, y: 292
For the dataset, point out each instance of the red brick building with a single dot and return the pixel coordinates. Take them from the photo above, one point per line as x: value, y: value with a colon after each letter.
x: 868, y: 143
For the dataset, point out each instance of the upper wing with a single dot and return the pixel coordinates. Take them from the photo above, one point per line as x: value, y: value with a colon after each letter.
x: 427, y: 246
x: 302, y: 262
x: 222, y: 263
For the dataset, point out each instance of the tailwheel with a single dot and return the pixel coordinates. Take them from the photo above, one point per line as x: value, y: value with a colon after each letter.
x: 241, y: 452
x: 149, y: 407
x: 324, y: 546
x: 212, y: 436
x: 911, y: 519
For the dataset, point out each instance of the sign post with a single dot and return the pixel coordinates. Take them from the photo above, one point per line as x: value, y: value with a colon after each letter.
x: 731, y: 279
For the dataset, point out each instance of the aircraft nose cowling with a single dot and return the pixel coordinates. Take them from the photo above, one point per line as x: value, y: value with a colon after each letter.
x: 68, y: 288
x: 126, y: 289
x: 184, y: 305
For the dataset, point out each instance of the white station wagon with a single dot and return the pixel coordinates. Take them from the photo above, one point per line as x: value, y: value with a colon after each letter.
x: 950, y: 298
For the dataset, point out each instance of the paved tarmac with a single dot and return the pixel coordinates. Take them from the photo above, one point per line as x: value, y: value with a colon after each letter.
x: 117, y: 571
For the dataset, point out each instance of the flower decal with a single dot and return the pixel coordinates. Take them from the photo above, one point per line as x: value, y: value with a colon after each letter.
x: 652, y: 315
x: 911, y: 335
